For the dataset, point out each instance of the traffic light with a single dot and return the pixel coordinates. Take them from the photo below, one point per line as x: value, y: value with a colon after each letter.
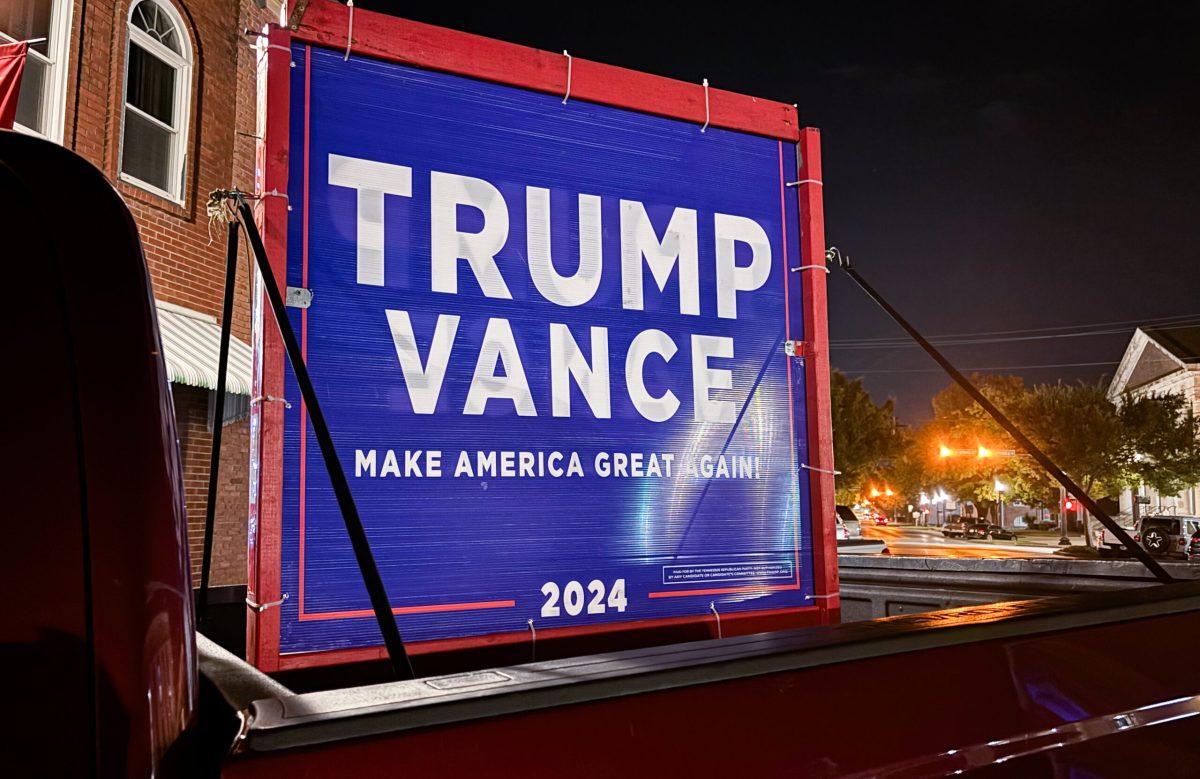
x: 1069, y: 504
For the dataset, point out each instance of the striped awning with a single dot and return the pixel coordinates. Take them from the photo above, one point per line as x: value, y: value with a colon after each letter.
x: 191, y: 344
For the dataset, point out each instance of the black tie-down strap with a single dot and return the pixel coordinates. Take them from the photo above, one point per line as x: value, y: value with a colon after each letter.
x: 833, y: 255
x: 401, y: 666
x: 214, y: 463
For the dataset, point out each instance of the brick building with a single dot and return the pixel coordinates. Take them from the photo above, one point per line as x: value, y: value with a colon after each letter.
x: 160, y: 96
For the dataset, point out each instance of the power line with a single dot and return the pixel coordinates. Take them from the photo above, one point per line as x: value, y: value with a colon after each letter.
x: 962, y: 341
x: 851, y: 372
x: 1176, y: 320
x: 1142, y: 321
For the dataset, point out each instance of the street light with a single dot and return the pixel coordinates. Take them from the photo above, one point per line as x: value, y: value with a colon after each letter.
x: 945, y: 451
x: 984, y: 452
x: 1001, y: 488
x: 939, y: 499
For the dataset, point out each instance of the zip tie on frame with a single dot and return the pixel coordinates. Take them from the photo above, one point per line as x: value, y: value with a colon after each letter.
x: 271, y: 399
x: 567, y: 96
x: 532, y: 640
x: 799, y: 268
x: 805, y: 181
x: 349, y: 30
x: 261, y: 607
x: 837, y: 594
x: 707, y: 113
x: 808, y: 467
x: 273, y: 193
x: 712, y: 606
x: 264, y: 50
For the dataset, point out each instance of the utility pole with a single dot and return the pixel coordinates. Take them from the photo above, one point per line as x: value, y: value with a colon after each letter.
x: 1062, y: 517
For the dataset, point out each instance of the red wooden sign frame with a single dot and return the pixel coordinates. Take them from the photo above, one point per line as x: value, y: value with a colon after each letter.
x: 326, y: 23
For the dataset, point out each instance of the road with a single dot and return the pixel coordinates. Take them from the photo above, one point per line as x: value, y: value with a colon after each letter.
x: 929, y: 542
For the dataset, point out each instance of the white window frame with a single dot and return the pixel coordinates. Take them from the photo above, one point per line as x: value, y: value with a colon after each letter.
x: 182, y: 63
x: 58, y: 51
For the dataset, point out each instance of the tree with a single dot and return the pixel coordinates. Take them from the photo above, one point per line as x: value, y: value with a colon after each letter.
x: 1079, y: 429
x: 959, y: 423
x: 1150, y: 440
x: 865, y: 435
x: 1164, y: 436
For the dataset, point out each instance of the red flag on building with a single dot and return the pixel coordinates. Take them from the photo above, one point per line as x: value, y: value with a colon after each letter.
x: 12, y: 65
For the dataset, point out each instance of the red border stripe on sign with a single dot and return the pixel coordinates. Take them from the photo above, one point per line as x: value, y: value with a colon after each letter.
x: 412, y: 43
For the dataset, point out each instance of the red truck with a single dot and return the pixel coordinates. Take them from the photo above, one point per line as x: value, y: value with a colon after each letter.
x: 107, y: 675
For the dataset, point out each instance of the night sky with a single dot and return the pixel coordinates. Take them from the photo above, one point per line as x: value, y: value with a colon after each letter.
x: 1013, y: 167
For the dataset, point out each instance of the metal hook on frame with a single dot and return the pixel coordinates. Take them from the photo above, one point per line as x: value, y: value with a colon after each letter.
x: 532, y: 641
x: 349, y: 31
x: 818, y: 182
x: 829, y: 471
x: 834, y: 254
x: 707, y: 113
x: 712, y: 606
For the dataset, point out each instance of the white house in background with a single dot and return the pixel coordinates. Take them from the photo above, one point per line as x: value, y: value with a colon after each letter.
x: 1158, y: 361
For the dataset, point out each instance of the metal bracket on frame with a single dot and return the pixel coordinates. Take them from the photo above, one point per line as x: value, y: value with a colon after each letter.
x: 298, y: 297
x: 297, y: 14
x: 797, y: 349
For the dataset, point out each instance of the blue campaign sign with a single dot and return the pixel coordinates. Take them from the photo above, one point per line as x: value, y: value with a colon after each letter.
x: 550, y: 342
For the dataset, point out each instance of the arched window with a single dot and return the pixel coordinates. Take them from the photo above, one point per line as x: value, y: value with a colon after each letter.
x: 47, y: 27
x: 158, y: 87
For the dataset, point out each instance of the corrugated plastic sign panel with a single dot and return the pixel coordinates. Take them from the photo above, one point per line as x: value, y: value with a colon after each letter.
x: 550, y: 343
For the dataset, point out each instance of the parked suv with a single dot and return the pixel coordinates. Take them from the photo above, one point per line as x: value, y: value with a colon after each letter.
x: 847, y: 517
x: 1108, y: 545
x: 1167, y: 535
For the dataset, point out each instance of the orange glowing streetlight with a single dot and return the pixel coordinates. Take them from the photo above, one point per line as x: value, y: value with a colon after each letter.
x: 945, y: 451
x: 984, y: 452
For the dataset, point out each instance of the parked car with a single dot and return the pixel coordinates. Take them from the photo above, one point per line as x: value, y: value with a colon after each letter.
x: 847, y: 517
x: 954, y: 527
x: 1167, y: 535
x: 1042, y: 523
x: 881, y: 519
x: 986, y: 530
x: 1108, y: 545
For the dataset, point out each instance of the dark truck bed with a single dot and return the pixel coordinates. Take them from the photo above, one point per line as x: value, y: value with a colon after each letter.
x: 948, y: 690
